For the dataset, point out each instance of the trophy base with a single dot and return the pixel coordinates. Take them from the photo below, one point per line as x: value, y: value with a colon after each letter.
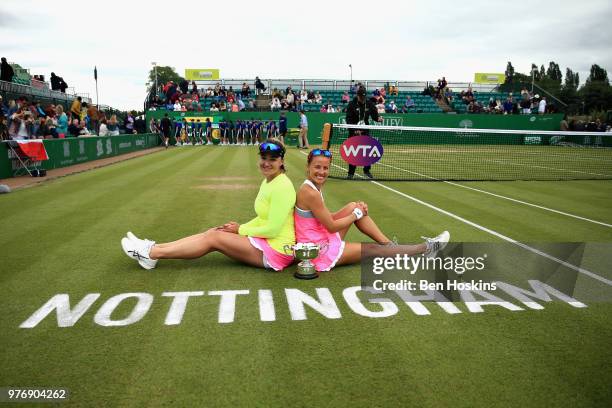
x: 306, y: 276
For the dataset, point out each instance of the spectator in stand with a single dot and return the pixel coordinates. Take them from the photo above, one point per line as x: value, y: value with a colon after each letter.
x: 392, y: 108
x: 83, y: 131
x: 103, y: 129
x: 55, y: 83
x: 38, y: 109
x: 467, y: 96
x: 92, y: 113
x: 58, y: 83
x: 6, y: 71
x: 318, y: 97
x: 380, y: 106
x: 184, y: 86
x: 246, y: 90
x: 492, y: 105
x: 508, y: 105
x: 323, y: 109
x: 62, y: 121
x: 214, y: 108
x: 177, y: 106
x: 73, y: 128
x: 194, y: 88
x: 259, y: 86
x: 303, y: 96
x: 564, y: 126
x: 311, y: 97
x: 113, y: 126
x: 22, y: 125
x: 240, y: 105
x: 129, y: 124
x: 75, y: 109
x: 46, y: 130
x: 525, y: 104
x: 345, y: 98
x: 383, y: 93
x: 223, y: 107
x: 408, y: 105
x: 448, y: 95
x: 3, y: 107
x: 276, y: 104
x: 542, y: 106
x: 499, y: 107
x: 290, y: 98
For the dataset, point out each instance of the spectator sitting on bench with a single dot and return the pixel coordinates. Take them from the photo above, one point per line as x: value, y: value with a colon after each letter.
x: 83, y: 131
x: 408, y: 105
x: 73, y: 128
x: 22, y: 125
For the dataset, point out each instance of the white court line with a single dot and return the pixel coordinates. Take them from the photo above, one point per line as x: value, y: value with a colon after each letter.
x: 548, y: 168
x: 492, y: 232
x: 503, y: 197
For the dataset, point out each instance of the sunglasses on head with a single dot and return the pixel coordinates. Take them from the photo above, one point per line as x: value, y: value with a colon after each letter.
x: 270, y: 147
x: 320, y: 152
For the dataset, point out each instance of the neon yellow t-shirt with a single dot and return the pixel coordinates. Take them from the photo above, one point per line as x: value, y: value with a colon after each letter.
x: 274, y: 208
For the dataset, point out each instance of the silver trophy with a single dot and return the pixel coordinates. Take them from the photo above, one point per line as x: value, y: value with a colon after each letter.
x: 305, y: 252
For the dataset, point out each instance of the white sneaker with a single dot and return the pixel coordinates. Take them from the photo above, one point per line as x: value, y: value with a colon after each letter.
x: 209, y: 143
x: 436, y: 244
x: 139, y: 250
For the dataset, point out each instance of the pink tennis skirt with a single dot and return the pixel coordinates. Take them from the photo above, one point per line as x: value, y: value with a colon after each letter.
x: 309, y: 229
x: 328, y: 258
x: 272, y: 259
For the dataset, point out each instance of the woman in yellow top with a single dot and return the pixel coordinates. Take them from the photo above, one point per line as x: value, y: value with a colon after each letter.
x: 260, y: 242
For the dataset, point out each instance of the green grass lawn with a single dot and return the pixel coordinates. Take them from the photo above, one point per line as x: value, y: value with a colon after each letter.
x: 62, y: 237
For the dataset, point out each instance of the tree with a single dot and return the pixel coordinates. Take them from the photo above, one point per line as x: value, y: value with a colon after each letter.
x: 597, y: 92
x: 164, y: 74
x: 571, y: 79
x: 509, y: 72
x: 598, y: 74
x: 554, y: 72
x: 534, y: 72
x: 542, y: 72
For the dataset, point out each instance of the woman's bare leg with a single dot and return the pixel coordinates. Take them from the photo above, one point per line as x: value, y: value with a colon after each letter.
x: 366, y: 224
x: 352, y: 253
x: 231, y: 245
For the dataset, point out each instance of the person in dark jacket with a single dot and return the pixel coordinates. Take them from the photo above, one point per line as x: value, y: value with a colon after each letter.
x: 6, y: 71
x: 358, y: 112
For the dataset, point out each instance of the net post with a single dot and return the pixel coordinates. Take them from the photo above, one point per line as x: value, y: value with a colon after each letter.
x: 327, y: 130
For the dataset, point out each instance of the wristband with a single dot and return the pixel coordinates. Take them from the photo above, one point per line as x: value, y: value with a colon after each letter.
x: 358, y: 213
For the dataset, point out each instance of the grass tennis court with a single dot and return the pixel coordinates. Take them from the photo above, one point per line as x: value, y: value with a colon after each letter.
x: 62, y: 237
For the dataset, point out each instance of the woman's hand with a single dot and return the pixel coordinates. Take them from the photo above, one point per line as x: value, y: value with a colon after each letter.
x: 363, y: 207
x: 231, y: 227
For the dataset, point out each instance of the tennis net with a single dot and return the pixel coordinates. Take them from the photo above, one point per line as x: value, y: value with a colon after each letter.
x: 420, y: 153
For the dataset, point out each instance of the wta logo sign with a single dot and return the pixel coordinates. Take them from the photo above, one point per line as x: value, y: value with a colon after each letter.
x: 361, y: 150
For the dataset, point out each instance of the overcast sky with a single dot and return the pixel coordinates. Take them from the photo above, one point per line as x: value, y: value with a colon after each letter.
x: 403, y: 40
